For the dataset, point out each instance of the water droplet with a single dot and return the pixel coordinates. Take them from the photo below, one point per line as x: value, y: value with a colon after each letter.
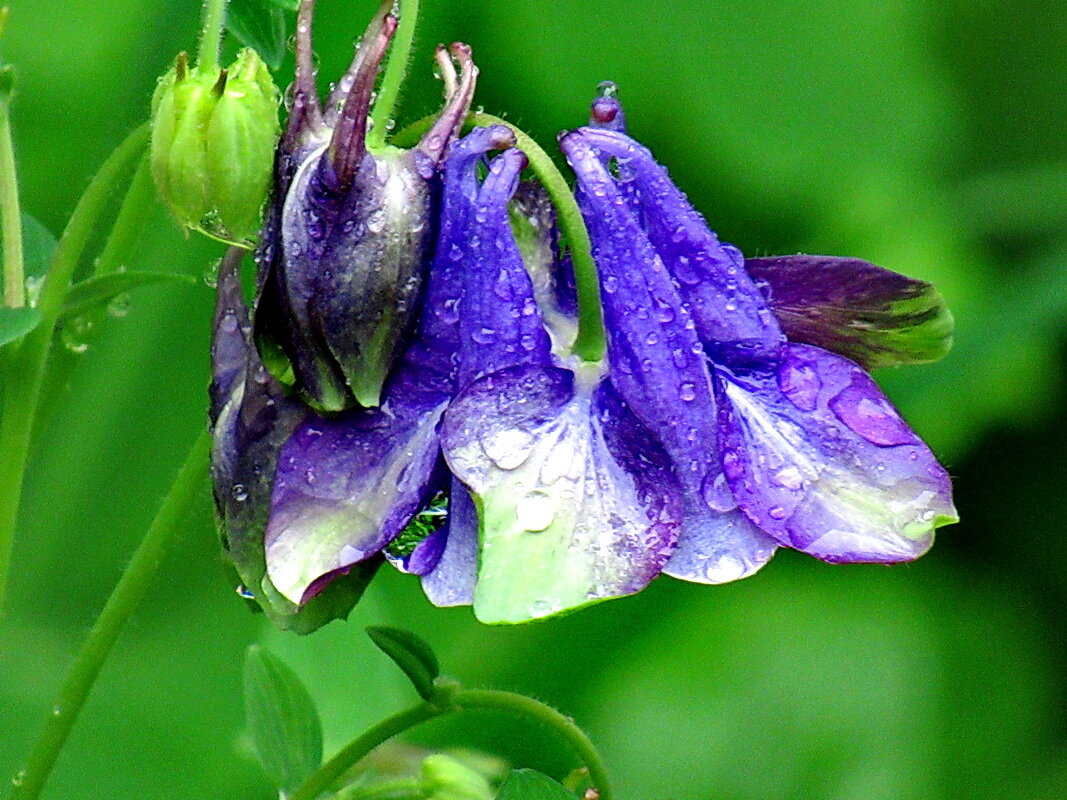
x: 33, y: 289
x: 535, y: 511
x: 119, y: 305
x: 687, y: 392
x: 76, y: 333
x: 57, y: 711
x: 239, y: 492
x: 245, y: 592
x: 717, y: 494
x: 211, y: 272
x: 509, y: 448
x: 789, y: 478
x: 483, y: 335
x: 652, y: 338
x: 610, y: 284
x: 777, y: 512
x: 799, y: 382
x: 870, y: 415
x: 18, y: 778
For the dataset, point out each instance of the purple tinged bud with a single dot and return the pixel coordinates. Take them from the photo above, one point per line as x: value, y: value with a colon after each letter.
x: 345, y: 248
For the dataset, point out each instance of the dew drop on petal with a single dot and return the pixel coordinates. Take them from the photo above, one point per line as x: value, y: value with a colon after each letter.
x: 535, y: 511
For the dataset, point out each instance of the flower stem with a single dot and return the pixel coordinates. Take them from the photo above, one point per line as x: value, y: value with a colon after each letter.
x: 214, y: 18
x: 395, y: 71
x: 130, y: 222
x: 14, y: 277
x: 457, y: 700
x: 354, y: 751
x: 127, y: 595
x: 564, y: 726
x: 590, y: 343
x: 25, y: 368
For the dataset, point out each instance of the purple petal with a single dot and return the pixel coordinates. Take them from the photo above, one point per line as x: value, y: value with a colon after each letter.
x: 451, y: 581
x: 873, y: 316
x: 346, y: 486
x: 577, y: 500
x: 500, y: 324
x: 726, y: 304
x: 819, y: 459
x: 658, y: 365
x: 716, y: 547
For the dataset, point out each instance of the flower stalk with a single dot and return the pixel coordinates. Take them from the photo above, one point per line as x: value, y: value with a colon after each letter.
x: 214, y: 19
x: 124, y: 599
x: 25, y: 371
x: 450, y: 700
x: 393, y: 77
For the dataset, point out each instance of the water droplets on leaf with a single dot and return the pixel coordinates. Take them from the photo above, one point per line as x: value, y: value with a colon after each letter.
x: 535, y: 511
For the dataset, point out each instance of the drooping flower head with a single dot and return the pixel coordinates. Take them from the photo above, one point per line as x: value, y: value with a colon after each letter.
x: 717, y: 426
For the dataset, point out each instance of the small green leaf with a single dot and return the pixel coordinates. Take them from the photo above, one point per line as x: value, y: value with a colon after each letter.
x: 528, y: 784
x: 92, y: 293
x: 260, y: 24
x: 281, y: 719
x: 17, y: 322
x: 411, y: 654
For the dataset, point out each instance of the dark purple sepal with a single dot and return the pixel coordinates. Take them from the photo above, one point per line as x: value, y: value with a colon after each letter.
x: 726, y: 305
x: 577, y: 499
x: 818, y: 458
x: 252, y: 416
x: 345, y: 487
x: 658, y: 364
x: 875, y: 317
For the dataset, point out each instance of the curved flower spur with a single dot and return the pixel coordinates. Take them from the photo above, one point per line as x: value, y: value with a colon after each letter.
x: 805, y: 444
x: 348, y: 233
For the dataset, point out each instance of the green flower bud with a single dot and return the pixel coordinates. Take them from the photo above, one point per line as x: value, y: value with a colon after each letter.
x: 446, y: 778
x: 213, y: 137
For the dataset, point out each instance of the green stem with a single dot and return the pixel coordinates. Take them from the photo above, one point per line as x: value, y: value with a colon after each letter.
x: 358, y: 748
x: 395, y: 71
x: 458, y: 700
x: 26, y: 367
x: 564, y: 726
x: 214, y: 17
x: 130, y: 222
x: 14, y: 277
x: 590, y: 343
x: 124, y: 599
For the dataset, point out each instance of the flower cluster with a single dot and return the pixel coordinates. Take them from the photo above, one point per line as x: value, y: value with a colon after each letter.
x: 413, y: 344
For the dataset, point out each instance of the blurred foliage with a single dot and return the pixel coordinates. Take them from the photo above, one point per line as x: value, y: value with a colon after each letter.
x: 924, y: 135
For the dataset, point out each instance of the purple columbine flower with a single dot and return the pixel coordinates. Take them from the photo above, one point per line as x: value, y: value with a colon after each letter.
x: 798, y: 443
x: 349, y: 229
x: 717, y: 427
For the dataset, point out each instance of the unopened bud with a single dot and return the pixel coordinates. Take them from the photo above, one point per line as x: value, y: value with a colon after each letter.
x: 213, y: 137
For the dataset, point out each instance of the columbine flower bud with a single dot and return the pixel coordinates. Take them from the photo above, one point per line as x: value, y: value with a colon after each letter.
x: 213, y: 136
x: 348, y: 234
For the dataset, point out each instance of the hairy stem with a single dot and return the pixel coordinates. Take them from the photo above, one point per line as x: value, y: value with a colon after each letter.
x: 458, y: 700
x: 127, y: 595
x: 214, y: 19
x: 25, y: 369
x: 358, y: 748
x: 564, y: 726
x: 395, y: 71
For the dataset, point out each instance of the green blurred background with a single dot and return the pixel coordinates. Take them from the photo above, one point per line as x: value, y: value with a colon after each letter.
x: 925, y: 135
